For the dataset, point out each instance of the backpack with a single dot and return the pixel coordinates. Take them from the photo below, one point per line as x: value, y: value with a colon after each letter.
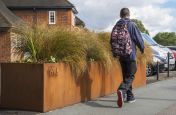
x: 120, y: 40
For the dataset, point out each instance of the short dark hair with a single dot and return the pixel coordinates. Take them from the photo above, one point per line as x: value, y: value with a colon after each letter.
x: 125, y: 12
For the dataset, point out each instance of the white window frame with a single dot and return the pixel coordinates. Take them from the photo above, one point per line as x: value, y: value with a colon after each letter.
x: 50, y: 14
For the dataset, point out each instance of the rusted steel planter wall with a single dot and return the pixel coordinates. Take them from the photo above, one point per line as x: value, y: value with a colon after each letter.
x: 45, y: 87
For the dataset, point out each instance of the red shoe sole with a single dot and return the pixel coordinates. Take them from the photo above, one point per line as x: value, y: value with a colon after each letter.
x: 120, y: 99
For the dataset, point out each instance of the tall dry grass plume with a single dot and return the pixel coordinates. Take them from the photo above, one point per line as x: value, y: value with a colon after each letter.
x: 73, y: 47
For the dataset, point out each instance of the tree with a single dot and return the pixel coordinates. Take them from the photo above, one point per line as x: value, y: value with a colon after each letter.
x: 166, y: 38
x: 140, y: 26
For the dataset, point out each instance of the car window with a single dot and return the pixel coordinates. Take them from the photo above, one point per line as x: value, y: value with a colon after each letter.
x: 172, y: 48
x: 148, y: 39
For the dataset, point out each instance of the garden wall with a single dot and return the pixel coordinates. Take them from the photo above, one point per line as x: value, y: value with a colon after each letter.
x: 45, y: 87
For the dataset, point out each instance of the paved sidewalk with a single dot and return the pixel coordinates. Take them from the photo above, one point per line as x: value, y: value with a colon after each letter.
x: 155, y: 99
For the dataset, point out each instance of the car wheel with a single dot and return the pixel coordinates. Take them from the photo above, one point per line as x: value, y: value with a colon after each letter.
x: 149, y: 70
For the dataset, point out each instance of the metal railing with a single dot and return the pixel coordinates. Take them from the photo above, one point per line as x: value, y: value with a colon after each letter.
x: 168, y: 67
x: 158, y: 70
x: 168, y: 64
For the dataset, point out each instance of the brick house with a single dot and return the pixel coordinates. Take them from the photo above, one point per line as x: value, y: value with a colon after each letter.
x: 33, y: 12
x: 8, y: 20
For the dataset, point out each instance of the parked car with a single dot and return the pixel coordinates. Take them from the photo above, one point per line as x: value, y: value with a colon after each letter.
x: 151, y: 68
x: 171, y: 58
x: 160, y: 51
x: 173, y: 48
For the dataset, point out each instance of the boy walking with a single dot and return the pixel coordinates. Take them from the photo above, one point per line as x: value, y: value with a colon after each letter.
x: 125, y: 37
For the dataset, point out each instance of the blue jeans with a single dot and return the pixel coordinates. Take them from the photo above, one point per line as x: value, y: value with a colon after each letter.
x: 129, y: 69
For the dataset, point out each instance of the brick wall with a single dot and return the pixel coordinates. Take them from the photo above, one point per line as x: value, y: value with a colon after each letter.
x: 5, y: 47
x: 63, y: 16
x: 16, y: 54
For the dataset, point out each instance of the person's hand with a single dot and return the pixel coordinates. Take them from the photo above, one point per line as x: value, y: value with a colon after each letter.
x: 142, y: 51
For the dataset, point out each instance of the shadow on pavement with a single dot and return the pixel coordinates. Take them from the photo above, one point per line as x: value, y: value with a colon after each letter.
x: 107, y: 100
x: 95, y: 104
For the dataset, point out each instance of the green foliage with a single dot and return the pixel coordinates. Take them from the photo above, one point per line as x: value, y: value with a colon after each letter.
x: 166, y: 38
x: 140, y: 26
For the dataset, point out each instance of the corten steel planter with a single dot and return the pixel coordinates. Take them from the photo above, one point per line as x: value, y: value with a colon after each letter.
x: 45, y: 87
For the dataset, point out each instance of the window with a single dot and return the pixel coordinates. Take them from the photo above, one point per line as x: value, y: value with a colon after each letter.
x: 52, y: 17
x: 148, y: 39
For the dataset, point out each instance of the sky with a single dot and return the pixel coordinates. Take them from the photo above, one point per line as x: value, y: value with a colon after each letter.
x: 101, y: 15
